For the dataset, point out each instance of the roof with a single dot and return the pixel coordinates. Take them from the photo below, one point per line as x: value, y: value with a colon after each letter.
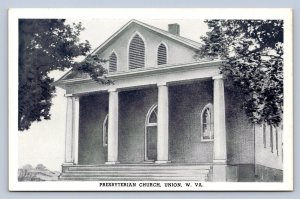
x: 184, y: 40
x: 181, y: 39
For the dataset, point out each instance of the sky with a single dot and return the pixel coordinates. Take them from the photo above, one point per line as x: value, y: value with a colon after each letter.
x: 44, y: 142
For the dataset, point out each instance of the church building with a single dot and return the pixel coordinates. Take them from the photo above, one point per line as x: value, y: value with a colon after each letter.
x: 167, y: 116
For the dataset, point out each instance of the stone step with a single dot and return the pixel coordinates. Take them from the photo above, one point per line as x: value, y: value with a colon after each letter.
x: 135, y: 167
x: 135, y: 170
x: 120, y: 172
x: 135, y: 178
x: 144, y: 164
x: 135, y: 174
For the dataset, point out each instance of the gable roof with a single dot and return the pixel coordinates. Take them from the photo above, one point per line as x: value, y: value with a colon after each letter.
x: 178, y: 38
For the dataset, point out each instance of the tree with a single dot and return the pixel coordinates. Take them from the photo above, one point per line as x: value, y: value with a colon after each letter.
x: 27, y: 167
x: 46, y: 45
x: 25, y: 173
x: 41, y: 167
x: 252, y: 54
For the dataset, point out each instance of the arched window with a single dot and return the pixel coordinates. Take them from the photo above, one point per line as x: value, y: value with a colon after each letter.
x: 207, y: 125
x: 151, y: 134
x: 161, y: 54
x: 136, y: 53
x: 105, y: 131
x: 113, y: 61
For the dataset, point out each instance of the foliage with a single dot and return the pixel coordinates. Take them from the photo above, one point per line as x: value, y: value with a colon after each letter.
x: 46, y: 45
x: 92, y: 65
x: 252, y: 54
x: 39, y: 173
x: 27, y: 167
x: 25, y: 174
x: 40, y: 167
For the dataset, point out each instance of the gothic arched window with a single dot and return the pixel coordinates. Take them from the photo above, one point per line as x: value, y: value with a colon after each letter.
x: 105, y: 131
x: 161, y: 54
x: 207, y: 125
x: 113, y: 62
x: 151, y: 134
x: 136, y: 54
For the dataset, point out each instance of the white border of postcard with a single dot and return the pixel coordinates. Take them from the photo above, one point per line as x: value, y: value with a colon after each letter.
x: 160, y: 13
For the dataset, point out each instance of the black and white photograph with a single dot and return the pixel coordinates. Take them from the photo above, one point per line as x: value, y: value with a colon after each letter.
x: 150, y: 99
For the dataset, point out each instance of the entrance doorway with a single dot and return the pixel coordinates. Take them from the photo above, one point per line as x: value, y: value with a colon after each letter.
x: 151, y: 134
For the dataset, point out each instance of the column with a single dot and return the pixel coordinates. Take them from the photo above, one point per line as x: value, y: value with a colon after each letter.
x: 76, y: 127
x: 69, y: 132
x: 72, y: 130
x: 220, y: 148
x: 113, y: 117
x: 163, y: 124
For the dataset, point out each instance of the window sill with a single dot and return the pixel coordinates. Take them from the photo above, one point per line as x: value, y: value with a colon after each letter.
x: 211, y: 140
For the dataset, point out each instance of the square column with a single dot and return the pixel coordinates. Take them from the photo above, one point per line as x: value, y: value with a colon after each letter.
x: 163, y: 124
x: 76, y: 127
x: 220, y: 145
x: 72, y: 130
x: 69, y: 132
x: 113, y: 118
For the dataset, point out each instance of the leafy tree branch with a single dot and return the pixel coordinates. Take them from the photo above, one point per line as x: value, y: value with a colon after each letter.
x: 252, y: 54
x: 46, y: 45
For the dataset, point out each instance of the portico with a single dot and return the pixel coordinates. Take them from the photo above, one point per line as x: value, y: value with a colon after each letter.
x: 156, y: 79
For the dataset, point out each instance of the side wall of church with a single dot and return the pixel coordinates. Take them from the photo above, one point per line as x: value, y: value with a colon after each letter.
x: 254, y: 160
x: 240, y: 137
x: 268, y: 153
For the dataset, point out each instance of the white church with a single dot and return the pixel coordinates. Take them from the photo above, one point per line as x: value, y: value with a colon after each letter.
x: 167, y: 116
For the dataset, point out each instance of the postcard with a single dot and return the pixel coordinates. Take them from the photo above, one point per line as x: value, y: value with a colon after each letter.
x: 150, y: 99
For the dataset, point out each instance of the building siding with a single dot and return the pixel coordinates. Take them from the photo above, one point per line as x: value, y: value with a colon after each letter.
x: 186, y: 104
x: 265, y: 156
x: 133, y: 108
x: 240, y: 137
x: 93, y: 109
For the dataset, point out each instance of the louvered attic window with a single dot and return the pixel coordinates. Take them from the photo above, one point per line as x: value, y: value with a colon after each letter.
x: 136, y: 53
x: 161, y: 54
x: 113, y: 62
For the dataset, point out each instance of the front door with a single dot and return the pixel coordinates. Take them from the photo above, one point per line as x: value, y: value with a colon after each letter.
x: 151, y: 143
